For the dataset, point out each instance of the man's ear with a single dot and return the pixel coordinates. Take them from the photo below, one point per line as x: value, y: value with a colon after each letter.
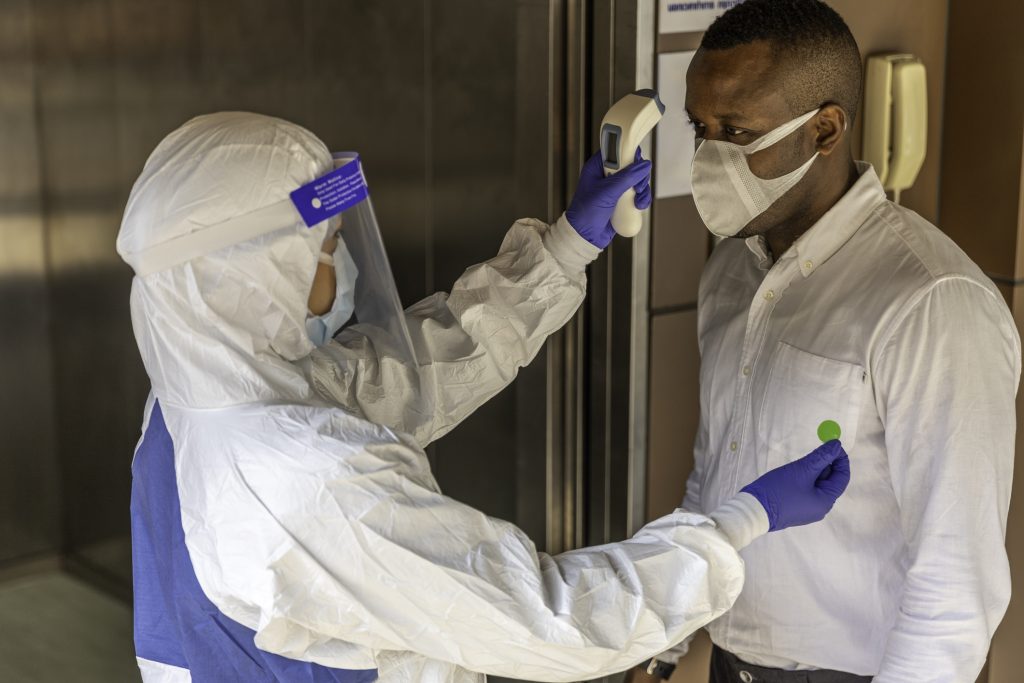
x: 832, y: 125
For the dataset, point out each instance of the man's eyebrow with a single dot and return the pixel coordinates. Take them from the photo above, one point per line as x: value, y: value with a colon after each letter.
x: 734, y: 117
x: 731, y: 117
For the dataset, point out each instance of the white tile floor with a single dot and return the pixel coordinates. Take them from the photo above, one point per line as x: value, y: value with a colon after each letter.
x: 57, y: 629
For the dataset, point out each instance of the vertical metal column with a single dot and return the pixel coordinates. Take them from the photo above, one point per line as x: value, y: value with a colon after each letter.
x: 617, y: 323
x: 565, y: 376
x: 639, y: 314
x: 544, y: 399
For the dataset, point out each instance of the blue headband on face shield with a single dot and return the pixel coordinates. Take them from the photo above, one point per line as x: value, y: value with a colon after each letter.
x: 330, y: 194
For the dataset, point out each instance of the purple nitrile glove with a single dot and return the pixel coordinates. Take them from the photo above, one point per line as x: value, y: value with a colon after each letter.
x: 803, y: 491
x: 590, y: 211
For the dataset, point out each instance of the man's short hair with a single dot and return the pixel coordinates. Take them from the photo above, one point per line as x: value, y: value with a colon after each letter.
x: 811, y: 41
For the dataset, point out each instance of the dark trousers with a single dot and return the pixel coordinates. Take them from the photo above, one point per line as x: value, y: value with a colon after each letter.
x: 727, y: 668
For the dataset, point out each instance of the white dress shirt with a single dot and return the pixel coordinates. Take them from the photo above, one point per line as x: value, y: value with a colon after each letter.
x: 876, y: 320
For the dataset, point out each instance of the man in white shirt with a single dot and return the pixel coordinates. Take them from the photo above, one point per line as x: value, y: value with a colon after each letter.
x: 829, y: 302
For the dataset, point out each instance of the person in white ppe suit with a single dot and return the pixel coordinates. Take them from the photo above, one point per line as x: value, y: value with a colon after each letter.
x: 286, y: 525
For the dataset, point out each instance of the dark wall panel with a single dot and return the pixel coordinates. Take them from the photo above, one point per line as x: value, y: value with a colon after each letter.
x: 472, y: 129
x: 426, y: 91
x: 29, y: 489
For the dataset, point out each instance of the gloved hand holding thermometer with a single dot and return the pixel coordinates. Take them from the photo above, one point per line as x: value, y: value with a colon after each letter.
x: 624, y: 127
x: 611, y: 193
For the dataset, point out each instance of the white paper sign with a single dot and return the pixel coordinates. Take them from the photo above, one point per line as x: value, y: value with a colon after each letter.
x: 685, y: 16
x: 674, y: 144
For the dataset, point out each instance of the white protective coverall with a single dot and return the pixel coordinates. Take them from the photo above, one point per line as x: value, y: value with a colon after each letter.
x: 309, y: 510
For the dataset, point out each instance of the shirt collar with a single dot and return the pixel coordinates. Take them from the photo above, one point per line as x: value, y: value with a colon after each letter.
x: 841, y: 222
x: 758, y: 246
x: 833, y: 230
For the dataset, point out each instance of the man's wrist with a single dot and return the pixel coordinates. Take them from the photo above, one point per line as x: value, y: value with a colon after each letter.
x: 658, y: 668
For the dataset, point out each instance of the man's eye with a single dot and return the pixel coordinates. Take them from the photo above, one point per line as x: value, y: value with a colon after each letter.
x: 696, y: 125
x: 734, y: 132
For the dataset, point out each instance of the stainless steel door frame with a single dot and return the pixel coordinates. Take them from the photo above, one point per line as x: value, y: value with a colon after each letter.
x: 597, y: 366
x: 547, y: 428
x: 639, y: 308
x: 619, y: 59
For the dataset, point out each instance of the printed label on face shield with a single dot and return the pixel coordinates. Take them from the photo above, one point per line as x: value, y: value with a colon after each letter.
x: 331, y: 194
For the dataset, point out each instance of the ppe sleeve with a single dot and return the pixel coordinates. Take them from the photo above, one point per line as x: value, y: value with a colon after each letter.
x: 945, y: 385
x: 469, y: 344
x: 741, y: 520
x: 311, y: 549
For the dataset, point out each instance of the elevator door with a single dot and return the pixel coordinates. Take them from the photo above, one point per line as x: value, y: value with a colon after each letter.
x: 453, y: 106
x: 469, y: 114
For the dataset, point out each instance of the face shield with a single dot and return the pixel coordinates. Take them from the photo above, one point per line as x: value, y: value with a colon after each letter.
x: 376, y: 302
x: 341, y: 195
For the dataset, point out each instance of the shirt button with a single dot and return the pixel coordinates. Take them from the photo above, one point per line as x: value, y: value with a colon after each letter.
x: 769, y: 295
x: 746, y: 677
x: 746, y: 371
x: 808, y: 265
x: 733, y: 446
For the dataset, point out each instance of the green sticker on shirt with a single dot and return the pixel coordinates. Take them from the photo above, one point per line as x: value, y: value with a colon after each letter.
x: 829, y: 431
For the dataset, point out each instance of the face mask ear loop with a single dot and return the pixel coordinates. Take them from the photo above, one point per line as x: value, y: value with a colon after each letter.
x: 778, y: 134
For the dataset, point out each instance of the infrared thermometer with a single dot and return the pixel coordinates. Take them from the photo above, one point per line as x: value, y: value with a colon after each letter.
x: 624, y: 127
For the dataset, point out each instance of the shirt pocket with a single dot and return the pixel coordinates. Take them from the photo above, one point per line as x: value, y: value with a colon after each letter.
x: 804, y: 390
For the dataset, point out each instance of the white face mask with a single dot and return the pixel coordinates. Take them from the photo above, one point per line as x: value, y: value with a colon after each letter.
x: 322, y: 328
x: 727, y: 193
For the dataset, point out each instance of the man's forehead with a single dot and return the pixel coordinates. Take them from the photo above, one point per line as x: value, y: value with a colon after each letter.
x: 741, y: 82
